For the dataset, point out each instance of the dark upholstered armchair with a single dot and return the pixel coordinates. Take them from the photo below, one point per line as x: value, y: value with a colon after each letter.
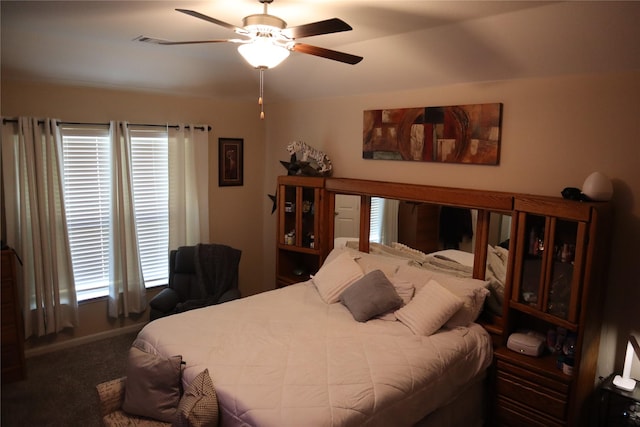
x: 200, y: 275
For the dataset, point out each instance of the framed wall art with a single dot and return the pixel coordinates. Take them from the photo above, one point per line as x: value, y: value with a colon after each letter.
x: 454, y: 134
x: 230, y: 161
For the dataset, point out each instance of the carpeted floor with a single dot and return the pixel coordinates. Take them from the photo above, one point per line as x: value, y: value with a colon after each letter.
x: 60, y: 386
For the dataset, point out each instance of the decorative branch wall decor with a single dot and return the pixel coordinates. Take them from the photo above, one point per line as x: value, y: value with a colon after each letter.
x: 454, y: 134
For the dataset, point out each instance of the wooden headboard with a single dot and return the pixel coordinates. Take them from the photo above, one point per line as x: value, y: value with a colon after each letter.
x: 483, y: 201
x: 556, y: 269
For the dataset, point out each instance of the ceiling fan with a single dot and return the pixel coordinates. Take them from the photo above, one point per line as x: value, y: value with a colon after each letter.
x: 267, y: 41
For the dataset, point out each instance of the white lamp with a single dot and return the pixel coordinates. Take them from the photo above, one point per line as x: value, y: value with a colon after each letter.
x: 598, y: 187
x: 625, y: 382
x: 263, y: 53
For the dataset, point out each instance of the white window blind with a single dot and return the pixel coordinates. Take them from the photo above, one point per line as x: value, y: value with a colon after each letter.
x: 150, y: 164
x: 86, y: 190
x: 86, y: 173
x: 375, y: 223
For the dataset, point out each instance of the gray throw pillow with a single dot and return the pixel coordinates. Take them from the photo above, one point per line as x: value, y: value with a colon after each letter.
x: 370, y: 296
x: 199, y: 404
x: 152, y: 388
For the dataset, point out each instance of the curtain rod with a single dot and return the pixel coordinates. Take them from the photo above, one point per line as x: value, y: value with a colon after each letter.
x: 208, y: 128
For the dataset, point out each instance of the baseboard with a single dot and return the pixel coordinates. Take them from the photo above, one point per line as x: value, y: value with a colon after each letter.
x: 74, y: 342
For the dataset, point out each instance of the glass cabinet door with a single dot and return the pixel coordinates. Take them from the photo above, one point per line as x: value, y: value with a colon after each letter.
x: 550, y: 260
x: 288, y: 195
x: 531, y: 256
x: 299, y: 226
x: 308, y: 217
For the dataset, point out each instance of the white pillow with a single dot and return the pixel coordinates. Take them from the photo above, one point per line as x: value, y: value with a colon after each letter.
x: 408, y: 251
x: 472, y: 302
x: 462, y: 257
x: 335, y: 253
x: 367, y: 261
x: 341, y: 242
x: 335, y: 276
x: 429, y: 309
x: 406, y: 290
x: 472, y: 292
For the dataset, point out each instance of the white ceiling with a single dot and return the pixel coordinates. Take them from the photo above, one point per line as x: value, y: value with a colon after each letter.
x: 405, y: 44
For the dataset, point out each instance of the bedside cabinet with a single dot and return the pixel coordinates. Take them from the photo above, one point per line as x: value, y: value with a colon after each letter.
x: 556, y: 275
x: 618, y: 408
x: 529, y: 393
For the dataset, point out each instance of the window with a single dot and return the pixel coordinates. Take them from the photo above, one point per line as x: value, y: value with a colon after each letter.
x: 375, y: 223
x: 86, y: 192
x: 87, y: 199
x: 150, y: 160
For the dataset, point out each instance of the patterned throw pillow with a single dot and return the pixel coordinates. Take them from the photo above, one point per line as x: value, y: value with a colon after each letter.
x: 199, y: 404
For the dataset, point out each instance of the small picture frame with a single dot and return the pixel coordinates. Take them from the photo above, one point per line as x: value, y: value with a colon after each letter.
x: 230, y: 162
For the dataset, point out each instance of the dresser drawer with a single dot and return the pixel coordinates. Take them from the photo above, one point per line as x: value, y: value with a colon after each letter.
x: 512, y: 414
x: 531, y: 376
x: 531, y: 395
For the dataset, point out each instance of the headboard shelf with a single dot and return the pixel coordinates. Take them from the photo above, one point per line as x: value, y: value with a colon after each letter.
x: 449, y: 196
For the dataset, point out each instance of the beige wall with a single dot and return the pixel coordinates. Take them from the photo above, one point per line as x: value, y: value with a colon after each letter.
x: 235, y: 212
x: 556, y: 132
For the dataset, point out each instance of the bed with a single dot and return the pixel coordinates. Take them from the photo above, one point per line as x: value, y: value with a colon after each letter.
x: 306, y: 355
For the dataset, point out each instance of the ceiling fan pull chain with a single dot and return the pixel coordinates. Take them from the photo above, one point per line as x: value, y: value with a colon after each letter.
x: 260, y: 100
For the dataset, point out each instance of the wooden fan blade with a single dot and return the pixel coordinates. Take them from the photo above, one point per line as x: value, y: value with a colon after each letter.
x: 212, y: 20
x: 328, y: 26
x: 168, y: 42
x: 326, y: 53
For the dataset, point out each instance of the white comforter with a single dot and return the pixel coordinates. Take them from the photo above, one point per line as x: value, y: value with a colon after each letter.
x: 286, y: 358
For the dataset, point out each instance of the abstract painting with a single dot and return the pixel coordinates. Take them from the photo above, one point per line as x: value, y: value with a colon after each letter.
x: 453, y: 134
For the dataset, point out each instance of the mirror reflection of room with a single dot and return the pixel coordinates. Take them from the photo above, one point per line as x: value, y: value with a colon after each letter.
x: 435, y: 237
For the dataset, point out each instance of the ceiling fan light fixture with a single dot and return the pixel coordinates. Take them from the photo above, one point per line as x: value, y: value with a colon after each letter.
x: 268, y: 41
x: 263, y: 23
x: 263, y: 53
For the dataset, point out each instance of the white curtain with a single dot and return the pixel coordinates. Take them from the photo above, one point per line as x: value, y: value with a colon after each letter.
x: 127, y: 292
x: 188, y: 185
x: 36, y: 224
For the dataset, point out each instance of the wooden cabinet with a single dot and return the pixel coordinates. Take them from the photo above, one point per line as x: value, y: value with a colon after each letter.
x: 556, y: 275
x: 13, y: 363
x: 558, y: 255
x: 302, y: 228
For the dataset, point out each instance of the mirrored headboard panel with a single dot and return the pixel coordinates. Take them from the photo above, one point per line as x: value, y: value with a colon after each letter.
x: 414, y: 201
x: 428, y: 219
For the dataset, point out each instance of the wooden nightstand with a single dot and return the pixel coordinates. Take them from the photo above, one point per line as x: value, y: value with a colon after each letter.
x: 618, y: 407
x: 556, y: 274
